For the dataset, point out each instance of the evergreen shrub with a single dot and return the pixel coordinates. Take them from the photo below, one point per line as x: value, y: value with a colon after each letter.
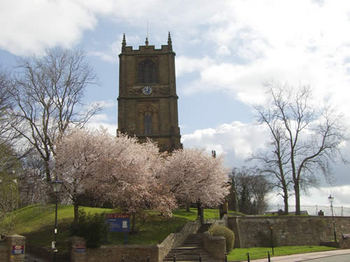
x: 92, y: 228
x: 219, y: 230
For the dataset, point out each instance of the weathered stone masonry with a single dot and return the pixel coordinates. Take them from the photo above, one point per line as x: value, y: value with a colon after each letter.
x: 286, y: 230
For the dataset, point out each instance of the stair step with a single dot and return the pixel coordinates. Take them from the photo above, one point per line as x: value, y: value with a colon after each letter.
x: 191, y: 249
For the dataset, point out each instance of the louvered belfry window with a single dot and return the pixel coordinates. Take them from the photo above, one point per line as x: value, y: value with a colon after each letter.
x: 147, y: 72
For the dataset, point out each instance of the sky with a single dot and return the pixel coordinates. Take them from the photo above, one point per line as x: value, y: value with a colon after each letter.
x: 225, y: 52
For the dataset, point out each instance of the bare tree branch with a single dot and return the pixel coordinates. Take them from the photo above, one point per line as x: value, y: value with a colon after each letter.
x: 47, y: 98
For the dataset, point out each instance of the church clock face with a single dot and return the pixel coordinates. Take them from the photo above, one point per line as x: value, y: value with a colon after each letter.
x: 147, y: 90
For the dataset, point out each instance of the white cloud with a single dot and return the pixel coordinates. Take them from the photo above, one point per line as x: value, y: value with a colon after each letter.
x: 106, y: 103
x: 236, y: 140
x: 110, y: 58
x: 189, y: 65
x: 31, y: 26
x: 102, y: 120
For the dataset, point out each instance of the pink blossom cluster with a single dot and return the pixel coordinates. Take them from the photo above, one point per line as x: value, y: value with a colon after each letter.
x: 135, y: 176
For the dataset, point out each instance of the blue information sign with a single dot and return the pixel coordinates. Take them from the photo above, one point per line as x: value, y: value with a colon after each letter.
x: 118, y: 222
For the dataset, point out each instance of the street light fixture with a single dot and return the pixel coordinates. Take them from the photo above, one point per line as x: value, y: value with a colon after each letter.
x: 56, y: 187
x: 331, y: 199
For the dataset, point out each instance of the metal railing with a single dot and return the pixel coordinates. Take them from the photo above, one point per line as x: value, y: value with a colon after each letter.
x: 248, y: 257
x: 315, y: 209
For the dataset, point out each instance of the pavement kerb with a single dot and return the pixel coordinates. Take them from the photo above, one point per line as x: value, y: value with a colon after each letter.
x: 305, y: 256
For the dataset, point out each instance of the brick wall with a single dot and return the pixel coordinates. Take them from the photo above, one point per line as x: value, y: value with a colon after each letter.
x: 286, y: 230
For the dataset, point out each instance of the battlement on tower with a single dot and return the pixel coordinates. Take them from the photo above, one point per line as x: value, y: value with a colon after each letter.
x: 144, y: 49
x: 147, y: 48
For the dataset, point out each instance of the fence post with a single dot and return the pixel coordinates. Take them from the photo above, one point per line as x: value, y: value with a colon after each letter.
x: 200, y: 258
x: 248, y: 257
x: 268, y: 256
x: 174, y: 258
x: 148, y: 259
x: 225, y: 257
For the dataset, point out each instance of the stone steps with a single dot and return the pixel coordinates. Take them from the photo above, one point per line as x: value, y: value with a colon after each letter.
x: 191, y: 250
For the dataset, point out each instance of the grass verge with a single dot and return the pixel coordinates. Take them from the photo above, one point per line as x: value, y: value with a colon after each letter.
x: 240, y: 254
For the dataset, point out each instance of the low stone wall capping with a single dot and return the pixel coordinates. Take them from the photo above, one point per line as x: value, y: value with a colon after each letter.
x: 214, y: 245
x: 251, y: 231
x: 131, y: 253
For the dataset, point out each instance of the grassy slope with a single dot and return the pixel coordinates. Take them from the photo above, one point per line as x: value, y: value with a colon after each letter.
x: 36, y: 223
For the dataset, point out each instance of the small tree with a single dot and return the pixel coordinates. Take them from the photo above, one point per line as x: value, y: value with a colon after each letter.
x: 193, y: 176
x: 250, y: 189
x: 9, y: 197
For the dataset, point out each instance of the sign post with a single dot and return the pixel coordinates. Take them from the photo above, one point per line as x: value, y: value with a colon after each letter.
x: 119, y: 223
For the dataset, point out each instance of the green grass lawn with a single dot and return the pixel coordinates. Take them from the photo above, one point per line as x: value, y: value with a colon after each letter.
x: 37, y: 222
x: 240, y: 254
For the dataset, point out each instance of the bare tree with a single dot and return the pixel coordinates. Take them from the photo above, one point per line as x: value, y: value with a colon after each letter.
x: 275, y: 160
x: 6, y: 132
x: 305, y: 140
x: 31, y: 180
x: 47, y: 96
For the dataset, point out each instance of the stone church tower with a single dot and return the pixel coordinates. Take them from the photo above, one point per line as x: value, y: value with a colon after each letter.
x: 147, y: 102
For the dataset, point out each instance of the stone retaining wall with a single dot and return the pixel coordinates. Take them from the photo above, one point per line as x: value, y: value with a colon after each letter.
x: 131, y: 253
x: 253, y: 231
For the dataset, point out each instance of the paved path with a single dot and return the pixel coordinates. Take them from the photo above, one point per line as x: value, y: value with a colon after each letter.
x: 342, y: 255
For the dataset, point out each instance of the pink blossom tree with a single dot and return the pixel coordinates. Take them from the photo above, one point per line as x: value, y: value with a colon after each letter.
x: 119, y: 170
x: 133, y: 184
x: 80, y: 158
x: 193, y: 176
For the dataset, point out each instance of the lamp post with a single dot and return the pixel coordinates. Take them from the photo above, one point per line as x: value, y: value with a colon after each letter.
x: 56, y: 187
x: 331, y: 199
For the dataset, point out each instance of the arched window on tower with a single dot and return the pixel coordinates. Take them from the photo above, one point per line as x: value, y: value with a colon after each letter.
x: 147, y: 72
x: 148, y: 123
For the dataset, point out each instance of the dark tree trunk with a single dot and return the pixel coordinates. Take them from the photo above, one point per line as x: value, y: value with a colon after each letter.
x: 200, y: 212
x: 188, y: 207
x: 76, y: 212
x: 297, y: 198
x: 47, y: 171
x: 133, y: 222
x: 285, y: 200
x: 286, y: 205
